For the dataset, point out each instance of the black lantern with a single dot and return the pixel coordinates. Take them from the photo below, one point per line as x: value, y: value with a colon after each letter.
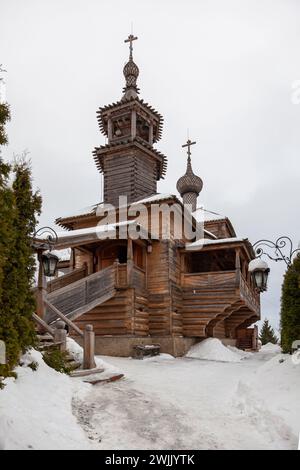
x: 49, y: 261
x: 259, y: 270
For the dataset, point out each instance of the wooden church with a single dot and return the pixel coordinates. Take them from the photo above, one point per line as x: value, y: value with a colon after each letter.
x: 173, y: 290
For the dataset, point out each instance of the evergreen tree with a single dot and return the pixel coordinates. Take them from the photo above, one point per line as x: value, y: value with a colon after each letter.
x: 19, y: 207
x: 290, y: 306
x: 27, y: 207
x: 8, y: 333
x: 4, y: 117
x: 267, y: 334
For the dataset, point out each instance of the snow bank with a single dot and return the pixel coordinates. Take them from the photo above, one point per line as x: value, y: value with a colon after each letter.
x: 270, y: 348
x: 36, y: 409
x: 273, y: 392
x: 212, y: 349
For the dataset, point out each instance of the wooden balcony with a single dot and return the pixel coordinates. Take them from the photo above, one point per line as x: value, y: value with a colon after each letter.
x: 215, y: 300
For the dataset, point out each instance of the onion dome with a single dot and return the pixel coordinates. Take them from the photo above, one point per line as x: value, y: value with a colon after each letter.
x: 189, y: 182
x: 189, y: 185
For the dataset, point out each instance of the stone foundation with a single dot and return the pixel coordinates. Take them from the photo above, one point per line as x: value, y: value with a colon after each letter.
x: 122, y: 346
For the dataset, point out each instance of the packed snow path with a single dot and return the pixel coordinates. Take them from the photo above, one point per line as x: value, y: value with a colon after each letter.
x: 181, y: 404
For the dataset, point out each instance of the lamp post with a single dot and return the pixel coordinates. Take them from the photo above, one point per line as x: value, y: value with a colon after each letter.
x: 259, y: 271
x: 48, y: 260
x: 43, y: 240
x: 280, y: 250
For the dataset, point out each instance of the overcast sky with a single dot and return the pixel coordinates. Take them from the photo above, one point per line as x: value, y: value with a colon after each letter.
x: 224, y: 69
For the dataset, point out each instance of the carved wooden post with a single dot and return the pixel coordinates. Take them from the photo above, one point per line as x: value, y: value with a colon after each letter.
x: 151, y: 134
x: 255, y: 338
x: 133, y: 124
x: 129, y: 261
x: 109, y: 129
x: 89, y: 348
x: 41, y: 289
x: 60, y: 335
x: 238, y: 268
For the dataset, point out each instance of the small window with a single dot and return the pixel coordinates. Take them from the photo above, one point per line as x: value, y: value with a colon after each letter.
x: 138, y: 256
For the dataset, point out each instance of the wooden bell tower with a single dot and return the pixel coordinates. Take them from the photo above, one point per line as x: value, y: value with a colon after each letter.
x: 130, y: 164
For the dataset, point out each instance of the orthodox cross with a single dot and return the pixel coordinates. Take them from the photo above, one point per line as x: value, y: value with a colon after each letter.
x: 188, y: 145
x: 130, y: 39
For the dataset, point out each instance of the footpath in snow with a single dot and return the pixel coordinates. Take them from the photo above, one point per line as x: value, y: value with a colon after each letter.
x: 215, y: 398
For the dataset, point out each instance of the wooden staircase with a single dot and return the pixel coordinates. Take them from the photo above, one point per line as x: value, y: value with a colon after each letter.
x: 81, y: 296
x: 47, y: 344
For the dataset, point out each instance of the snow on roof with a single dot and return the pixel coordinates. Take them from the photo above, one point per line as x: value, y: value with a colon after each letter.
x: 155, y: 197
x: 205, y: 215
x: 206, y: 241
x: 92, y: 210
x: 98, y: 232
x: 63, y: 255
x: 84, y: 211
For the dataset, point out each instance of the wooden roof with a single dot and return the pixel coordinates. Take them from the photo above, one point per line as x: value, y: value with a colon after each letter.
x: 104, y: 111
x: 220, y: 244
x: 100, y: 153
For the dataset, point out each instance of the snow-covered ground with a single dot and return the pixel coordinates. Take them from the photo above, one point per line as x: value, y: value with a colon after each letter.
x: 166, y: 403
x: 36, y: 409
x: 251, y: 402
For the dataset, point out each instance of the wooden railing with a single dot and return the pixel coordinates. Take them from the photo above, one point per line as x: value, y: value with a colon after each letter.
x: 74, y: 298
x: 224, y: 280
x: 121, y: 274
x: 65, y: 319
x: 215, y: 279
x: 249, y: 295
x: 67, y: 279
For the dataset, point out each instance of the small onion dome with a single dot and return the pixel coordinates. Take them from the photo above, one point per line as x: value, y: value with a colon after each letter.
x: 131, y: 73
x: 257, y: 264
x: 189, y: 183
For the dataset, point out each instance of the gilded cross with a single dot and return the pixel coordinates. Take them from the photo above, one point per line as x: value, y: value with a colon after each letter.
x: 188, y: 145
x: 130, y: 39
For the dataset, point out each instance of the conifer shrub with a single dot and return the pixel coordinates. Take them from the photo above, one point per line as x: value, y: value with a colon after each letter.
x: 58, y: 360
x: 290, y: 306
x: 267, y: 334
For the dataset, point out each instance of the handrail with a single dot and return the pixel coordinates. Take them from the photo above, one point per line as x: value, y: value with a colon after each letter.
x: 64, y: 318
x: 43, y: 324
x: 231, y: 271
x: 78, y: 283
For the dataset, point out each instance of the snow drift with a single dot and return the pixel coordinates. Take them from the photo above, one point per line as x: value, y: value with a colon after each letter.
x: 272, y: 392
x: 212, y: 349
x: 270, y: 348
x: 36, y: 409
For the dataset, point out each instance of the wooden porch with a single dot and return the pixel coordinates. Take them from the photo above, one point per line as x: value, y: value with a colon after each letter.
x: 217, y: 303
